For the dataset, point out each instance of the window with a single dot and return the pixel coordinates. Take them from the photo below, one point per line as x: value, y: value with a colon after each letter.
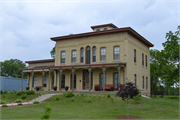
x: 63, y: 55
x: 63, y: 81
x: 105, y: 28
x: 116, y: 53
x: 134, y: 55
x: 45, y: 81
x: 74, y: 53
x: 116, y: 79
x: 103, y: 54
x: 82, y: 55
x: 94, y: 54
x: 74, y: 81
x: 101, y: 80
x: 142, y: 59
x: 143, y: 82
x: 135, y: 79
x: 146, y: 60
x: 88, y: 55
x: 34, y: 81
x: 98, y: 30
x: 146, y: 83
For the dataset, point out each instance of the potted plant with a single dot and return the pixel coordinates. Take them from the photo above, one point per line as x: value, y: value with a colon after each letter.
x: 27, y: 88
x: 66, y: 88
x: 55, y: 88
x: 38, y: 87
x: 96, y: 87
x: 112, y: 88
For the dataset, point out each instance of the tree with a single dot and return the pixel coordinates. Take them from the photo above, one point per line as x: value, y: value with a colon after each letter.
x: 127, y: 91
x: 12, y: 68
x: 52, y: 52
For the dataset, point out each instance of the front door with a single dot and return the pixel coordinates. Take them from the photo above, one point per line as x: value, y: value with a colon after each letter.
x: 86, y: 80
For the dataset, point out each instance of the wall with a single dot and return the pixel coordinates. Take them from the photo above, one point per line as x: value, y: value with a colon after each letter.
x: 32, y: 65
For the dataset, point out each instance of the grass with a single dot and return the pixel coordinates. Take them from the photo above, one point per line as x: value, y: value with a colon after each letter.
x: 98, y: 108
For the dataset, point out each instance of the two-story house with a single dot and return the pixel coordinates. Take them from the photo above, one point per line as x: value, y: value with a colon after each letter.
x: 108, y: 55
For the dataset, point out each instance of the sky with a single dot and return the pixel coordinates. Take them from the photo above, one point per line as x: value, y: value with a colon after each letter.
x: 27, y: 25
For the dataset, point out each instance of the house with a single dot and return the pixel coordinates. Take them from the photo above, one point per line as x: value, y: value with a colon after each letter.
x: 106, y: 56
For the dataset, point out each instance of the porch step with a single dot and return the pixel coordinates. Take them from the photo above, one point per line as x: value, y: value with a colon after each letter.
x: 42, y: 97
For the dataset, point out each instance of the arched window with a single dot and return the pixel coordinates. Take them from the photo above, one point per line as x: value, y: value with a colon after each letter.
x: 94, y: 54
x: 88, y: 54
x: 105, y: 28
x: 98, y: 30
x: 82, y: 55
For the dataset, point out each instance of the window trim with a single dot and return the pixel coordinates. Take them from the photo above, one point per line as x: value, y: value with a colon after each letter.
x: 72, y: 56
x: 61, y: 57
x: 113, y: 52
x: 100, y: 55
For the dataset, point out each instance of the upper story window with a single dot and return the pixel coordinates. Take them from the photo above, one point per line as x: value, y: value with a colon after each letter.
x: 103, y: 54
x: 142, y: 59
x: 146, y: 60
x: 94, y: 54
x: 135, y: 55
x: 88, y: 55
x: 63, y: 56
x: 135, y: 79
x: 143, y: 82
x: 146, y: 83
x: 105, y: 28
x: 98, y: 30
x: 116, y: 53
x: 82, y: 55
x: 74, y: 54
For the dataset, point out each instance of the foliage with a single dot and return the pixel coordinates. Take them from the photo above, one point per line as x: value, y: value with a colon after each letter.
x: 108, y: 95
x: 36, y: 102
x: 12, y: 68
x: 3, y: 102
x: 52, y: 52
x: 64, y: 93
x: 23, y: 96
x: 18, y: 100
x: 112, y: 99
x: 4, y: 105
x: 45, y: 116
x: 4, y: 92
x: 89, y: 100
x: 47, y: 111
x: 57, y: 98
x: 173, y: 97
x: 4, y: 95
x: 70, y: 94
x: 72, y: 100
x: 19, y: 103
x: 82, y: 94
x: 28, y: 92
x: 138, y: 98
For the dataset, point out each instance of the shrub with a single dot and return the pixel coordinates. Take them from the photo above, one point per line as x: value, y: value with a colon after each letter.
x: 64, y: 93
x: 4, y: 92
x: 44, y: 116
x: 36, y: 102
x: 28, y: 92
x: 77, y: 94
x: 72, y: 100
x: 108, y: 95
x: 112, y: 99
x: 82, y: 94
x: 4, y: 105
x: 89, y: 100
x: 99, y: 96
x: 161, y: 96
x: 14, y: 91
x: 18, y: 101
x: 174, y: 97
x: 4, y: 95
x: 3, y: 102
x: 137, y: 98
x: 23, y: 96
x: 57, y: 98
x: 70, y: 94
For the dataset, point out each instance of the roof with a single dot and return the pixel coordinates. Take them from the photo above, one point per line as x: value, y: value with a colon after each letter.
x: 126, y: 29
x: 40, y: 61
x: 48, y: 67
x: 98, y: 26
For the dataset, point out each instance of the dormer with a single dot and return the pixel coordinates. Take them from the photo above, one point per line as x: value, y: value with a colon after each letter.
x: 103, y: 27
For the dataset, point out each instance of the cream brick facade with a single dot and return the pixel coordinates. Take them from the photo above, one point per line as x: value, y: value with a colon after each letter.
x: 125, y: 39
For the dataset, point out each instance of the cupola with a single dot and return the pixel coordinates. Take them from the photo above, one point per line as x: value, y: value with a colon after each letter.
x: 103, y: 27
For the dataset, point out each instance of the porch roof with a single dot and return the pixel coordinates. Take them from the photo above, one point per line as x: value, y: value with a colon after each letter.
x: 74, y: 66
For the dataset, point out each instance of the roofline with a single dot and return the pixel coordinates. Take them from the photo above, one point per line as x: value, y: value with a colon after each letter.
x: 110, y: 24
x: 74, y: 66
x: 40, y: 61
x: 126, y: 29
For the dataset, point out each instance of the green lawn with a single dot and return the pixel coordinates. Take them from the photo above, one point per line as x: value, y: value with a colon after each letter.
x: 98, y: 108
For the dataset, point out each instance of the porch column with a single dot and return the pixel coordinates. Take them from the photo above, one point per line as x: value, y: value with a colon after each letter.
x: 104, y: 70
x: 32, y: 77
x: 27, y: 79
x: 72, y: 87
x: 49, y: 81
x: 119, y: 69
x: 43, y: 79
x: 22, y: 82
x: 60, y: 79
x: 124, y: 75
x: 89, y: 79
x: 55, y: 80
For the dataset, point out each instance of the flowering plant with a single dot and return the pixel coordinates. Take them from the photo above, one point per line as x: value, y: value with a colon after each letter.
x: 67, y: 87
x: 97, y: 86
x: 55, y: 86
x: 112, y: 87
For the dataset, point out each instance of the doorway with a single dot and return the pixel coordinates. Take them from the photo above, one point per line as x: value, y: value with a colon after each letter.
x: 86, y: 80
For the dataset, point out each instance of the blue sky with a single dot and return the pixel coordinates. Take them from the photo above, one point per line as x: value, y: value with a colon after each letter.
x: 27, y: 25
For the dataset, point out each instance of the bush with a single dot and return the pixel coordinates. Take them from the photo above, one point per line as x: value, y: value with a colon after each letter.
x: 82, y: 94
x: 3, y: 102
x: 18, y: 101
x: 36, y: 102
x: 77, y: 94
x: 112, y: 99
x: 4, y: 95
x: 44, y: 116
x: 89, y: 100
x: 137, y: 98
x: 4, y: 92
x: 14, y: 91
x: 109, y: 95
x: 70, y: 94
x: 99, y: 96
x: 72, y: 100
x: 4, y: 105
x: 174, y: 97
x: 23, y: 96
x: 28, y: 92
x: 57, y: 98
